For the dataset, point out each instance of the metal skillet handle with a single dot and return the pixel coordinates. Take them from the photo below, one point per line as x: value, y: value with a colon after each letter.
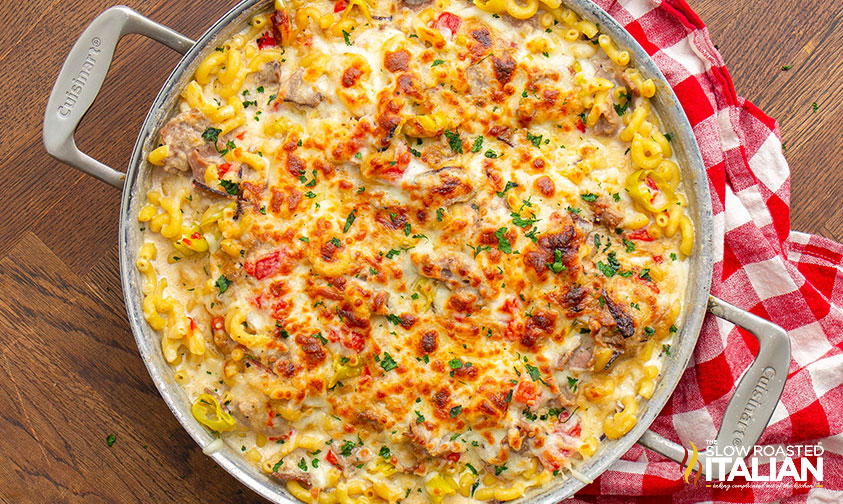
x: 81, y: 78
x: 754, y: 399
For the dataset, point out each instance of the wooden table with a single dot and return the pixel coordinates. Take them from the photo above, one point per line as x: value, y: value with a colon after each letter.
x: 70, y: 374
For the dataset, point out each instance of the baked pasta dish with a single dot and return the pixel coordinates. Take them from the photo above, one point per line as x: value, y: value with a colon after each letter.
x: 412, y: 250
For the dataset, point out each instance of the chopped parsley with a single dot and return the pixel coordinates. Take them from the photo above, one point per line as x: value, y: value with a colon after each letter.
x: 509, y: 185
x: 419, y: 417
x: 388, y: 363
x: 211, y: 134
x: 455, y: 363
x: 110, y: 439
x: 534, y: 372
x: 666, y: 349
x: 385, y: 452
x: 478, y: 249
x: 395, y: 319
x: 649, y: 331
x: 522, y: 222
x: 645, y: 275
x: 349, y: 220
x: 232, y: 188
x: 572, y: 383
x: 470, y: 468
x: 392, y: 253
x: 310, y: 194
x: 673, y: 256
x: 407, y: 229
x: 335, y: 242
x: 478, y: 144
x: 320, y: 338
x: 454, y: 141
x: 347, y: 448
x: 508, y: 396
x: 345, y: 37
x: 784, y: 69
x: 437, y: 62
x: 222, y: 283
x: 440, y: 212
x: 616, y: 197
x: 621, y: 109
x: 500, y: 469
x: 491, y: 154
x: 574, y: 210
x: 415, y: 152
x: 303, y: 464
x: 455, y: 411
x: 263, y: 209
x: 673, y: 328
x: 588, y: 197
x: 630, y: 247
x: 535, y: 140
x: 814, y: 106
x: 503, y: 243
x: 609, y: 269
x: 556, y: 266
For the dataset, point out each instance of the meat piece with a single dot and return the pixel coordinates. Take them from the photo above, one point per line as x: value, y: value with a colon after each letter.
x: 608, y: 122
x: 452, y: 270
x: 544, y: 252
x: 502, y: 133
x: 255, y: 414
x: 419, y: 435
x: 269, y: 75
x: 572, y: 299
x: 605, y: 213
x: 580, y: 358
x: 482, y: 36
x: 504, y: 67
x: 314, y: 354
x: 182, y: 134
x: 293, y: 473
x: 624, y: 322
x: 479, y: 80
x: 199, y: 160
x: 300, y: 93
x: 540, y: 325
x: 443, y: 187
x: 631, y: 84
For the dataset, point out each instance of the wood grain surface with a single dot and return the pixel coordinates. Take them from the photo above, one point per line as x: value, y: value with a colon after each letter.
x: 70, y: 373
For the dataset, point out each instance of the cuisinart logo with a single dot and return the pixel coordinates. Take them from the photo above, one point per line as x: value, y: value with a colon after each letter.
x: 78, y: 82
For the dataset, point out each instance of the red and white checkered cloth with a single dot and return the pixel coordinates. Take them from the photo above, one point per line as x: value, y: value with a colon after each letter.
x: 790, y: 278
